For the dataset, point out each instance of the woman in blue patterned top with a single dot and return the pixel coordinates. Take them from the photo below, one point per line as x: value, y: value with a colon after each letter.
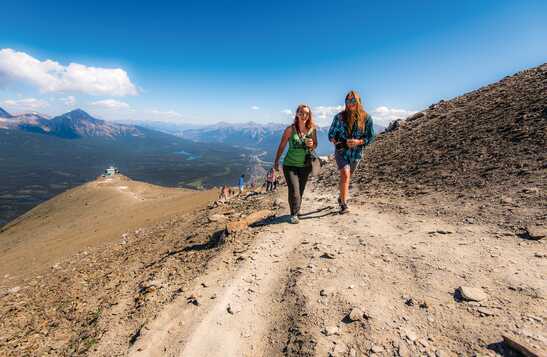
x: 351, y: 130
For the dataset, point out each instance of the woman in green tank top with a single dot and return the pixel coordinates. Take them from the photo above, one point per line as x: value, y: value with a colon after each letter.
x: 301, y: 136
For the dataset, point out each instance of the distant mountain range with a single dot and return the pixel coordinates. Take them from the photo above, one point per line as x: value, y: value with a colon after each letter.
x: 71, y: 125
x: 41, y: 157
x: 250, y: 135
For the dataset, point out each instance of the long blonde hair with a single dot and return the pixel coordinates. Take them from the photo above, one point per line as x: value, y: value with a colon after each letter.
x: 309, y: 123
x: 359, y: 115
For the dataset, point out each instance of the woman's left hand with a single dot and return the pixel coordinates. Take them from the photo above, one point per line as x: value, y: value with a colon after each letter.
x: 309, y: 143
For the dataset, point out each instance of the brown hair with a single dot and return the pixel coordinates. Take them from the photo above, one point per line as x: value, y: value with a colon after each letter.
x: 351, y: 116
x: 309, y: 123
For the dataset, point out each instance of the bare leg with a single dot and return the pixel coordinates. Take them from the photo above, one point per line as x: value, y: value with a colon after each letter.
x: 344, y: 183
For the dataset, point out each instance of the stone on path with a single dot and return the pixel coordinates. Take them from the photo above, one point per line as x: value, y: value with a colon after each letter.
x: 410, y: 335
x: 403, y: 350
x: 328, y: 255
x: 536, y: 232
x: 486, y: 311
x: 356, y: 314
x: 252, y: 218
x: 331, y: 330
x: 233, y: 309
x: 217, y: 218
x: 377, y: 349
x: 472, y: 294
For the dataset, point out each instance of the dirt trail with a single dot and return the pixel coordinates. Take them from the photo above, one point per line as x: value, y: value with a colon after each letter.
x: 292, y: 289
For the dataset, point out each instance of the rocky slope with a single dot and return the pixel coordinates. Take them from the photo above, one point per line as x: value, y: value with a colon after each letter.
x: 488, y: 145
x: 106, y: 292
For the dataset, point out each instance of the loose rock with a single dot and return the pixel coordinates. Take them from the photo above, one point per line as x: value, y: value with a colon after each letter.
x: 472, y: 294
x: 355, y: 314
x: 536, y: 232
x: 331, y: 330
x: 233, y: 309
x: 328, y: 255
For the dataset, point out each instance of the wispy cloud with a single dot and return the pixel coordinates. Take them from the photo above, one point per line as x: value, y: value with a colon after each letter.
x: 287, y: 112
x: 51, y: 76
x: 254, y: 107
x: 26, y: 104
x: 384, y: 115
x: 168, y: 115
x: 110, y: 104
x: 324, y: 114
x: 68, y: 101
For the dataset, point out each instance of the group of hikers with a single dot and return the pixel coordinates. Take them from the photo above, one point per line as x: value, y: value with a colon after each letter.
x: 351, y: 130
x: 270, y: 182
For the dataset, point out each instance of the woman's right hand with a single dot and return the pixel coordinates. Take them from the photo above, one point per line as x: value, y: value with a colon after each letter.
x: 276, y: 165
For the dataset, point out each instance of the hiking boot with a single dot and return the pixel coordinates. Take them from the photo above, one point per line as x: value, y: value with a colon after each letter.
x: 294, y: 219
x: 344, y: 208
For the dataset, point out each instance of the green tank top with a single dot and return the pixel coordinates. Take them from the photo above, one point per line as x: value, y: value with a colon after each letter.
x: 296, y: 155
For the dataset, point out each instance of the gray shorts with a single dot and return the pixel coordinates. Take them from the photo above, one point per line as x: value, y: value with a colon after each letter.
x: 341, y: 162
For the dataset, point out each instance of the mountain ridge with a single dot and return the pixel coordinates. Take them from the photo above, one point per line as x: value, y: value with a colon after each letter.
x: 4, y: 114
x: 71, y: 125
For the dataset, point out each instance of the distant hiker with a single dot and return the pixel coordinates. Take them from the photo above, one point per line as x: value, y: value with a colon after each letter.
x: 351, y: 130
x: 224, y: 194
x: 276, y: 181
x: 241, y: 183
x: 270, y: 179
x: 301, y: 136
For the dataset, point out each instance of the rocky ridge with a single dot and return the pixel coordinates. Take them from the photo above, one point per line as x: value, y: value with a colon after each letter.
x: 487, y: 146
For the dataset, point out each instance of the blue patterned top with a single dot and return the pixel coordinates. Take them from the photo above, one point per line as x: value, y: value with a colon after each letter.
x: 339, y: 132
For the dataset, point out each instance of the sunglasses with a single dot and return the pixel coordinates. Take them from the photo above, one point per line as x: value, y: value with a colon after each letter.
x: 302, y: 113
x: 351, y: 101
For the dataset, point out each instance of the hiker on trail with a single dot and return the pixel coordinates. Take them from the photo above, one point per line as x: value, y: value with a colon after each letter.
x: 301, y: 136
x: 351, y: 130
x: 224, y: 194
x: 241, y: 183
x: 270, y: 178
x: 275, y: 181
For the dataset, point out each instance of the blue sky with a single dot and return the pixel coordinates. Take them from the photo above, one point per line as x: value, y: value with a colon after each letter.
x: 203, y: 62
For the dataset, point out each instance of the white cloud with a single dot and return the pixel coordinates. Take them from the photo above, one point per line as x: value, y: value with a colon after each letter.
x: 323, y: 114
x: 68, y: 101
x: 51, y: 76
x: 254, y: 107
x: 111, y: 104
x: 165, y: 114
x: 287, y: 112
x: 26, y: 103
x: 384, y: 115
